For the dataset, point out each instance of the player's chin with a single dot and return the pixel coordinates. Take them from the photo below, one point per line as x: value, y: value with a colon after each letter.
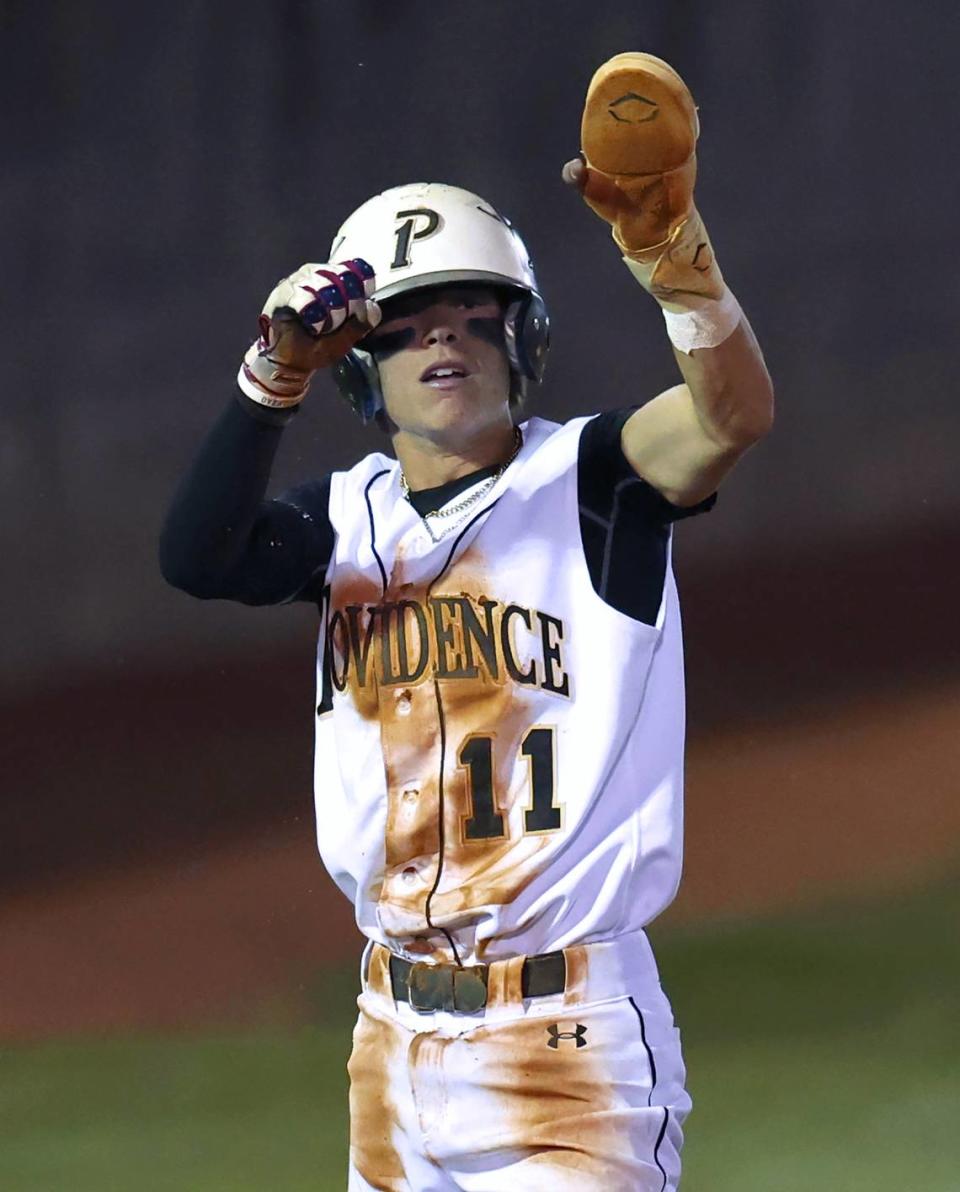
x: 465, y: 417
x: 450, y: 403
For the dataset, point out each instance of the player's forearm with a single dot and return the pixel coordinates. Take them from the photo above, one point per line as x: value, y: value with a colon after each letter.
x: 638, y: 174
x: 730, y: 388
x: 687, y: 439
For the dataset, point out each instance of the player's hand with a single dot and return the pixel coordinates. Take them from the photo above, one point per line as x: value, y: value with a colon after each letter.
x: 310, y: 320
x: 638, y: 210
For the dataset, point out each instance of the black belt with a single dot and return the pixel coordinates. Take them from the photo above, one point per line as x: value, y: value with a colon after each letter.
x: 463, y: 990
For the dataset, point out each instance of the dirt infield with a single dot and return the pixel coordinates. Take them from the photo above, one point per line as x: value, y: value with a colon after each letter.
x: 858, y: 799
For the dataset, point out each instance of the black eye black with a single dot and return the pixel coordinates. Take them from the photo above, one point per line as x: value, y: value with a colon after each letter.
x: 386, y: 343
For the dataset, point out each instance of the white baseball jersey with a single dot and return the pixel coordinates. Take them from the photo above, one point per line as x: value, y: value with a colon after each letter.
x: 499, y: 750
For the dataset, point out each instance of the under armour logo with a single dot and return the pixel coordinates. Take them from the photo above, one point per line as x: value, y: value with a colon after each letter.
x: 556, y: 1034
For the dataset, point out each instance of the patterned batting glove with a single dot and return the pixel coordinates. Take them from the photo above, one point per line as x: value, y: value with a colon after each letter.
x: 310, y: 320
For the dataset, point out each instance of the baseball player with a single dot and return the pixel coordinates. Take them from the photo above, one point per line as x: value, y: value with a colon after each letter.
x: 500, y: 709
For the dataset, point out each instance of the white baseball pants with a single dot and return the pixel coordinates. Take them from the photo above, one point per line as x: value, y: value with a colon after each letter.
x: 572, y: 1092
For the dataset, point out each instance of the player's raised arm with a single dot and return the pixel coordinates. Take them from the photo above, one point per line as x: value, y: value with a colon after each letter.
x: 636, y: 171
x: 221, y: 538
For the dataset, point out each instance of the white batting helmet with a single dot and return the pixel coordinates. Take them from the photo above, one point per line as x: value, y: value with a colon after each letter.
x: 430, y: 234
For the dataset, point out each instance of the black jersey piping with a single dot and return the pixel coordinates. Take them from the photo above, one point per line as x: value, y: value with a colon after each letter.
x: 647, y: 1048
x: 440, y: 826
x: 656, y: 1149
x: 373, y: 528
x: 653, y: 1080
x: 443, y: 749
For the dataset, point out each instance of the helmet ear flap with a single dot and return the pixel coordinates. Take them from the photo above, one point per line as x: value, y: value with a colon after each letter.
x: 526, y: 328
x: 357, y: 377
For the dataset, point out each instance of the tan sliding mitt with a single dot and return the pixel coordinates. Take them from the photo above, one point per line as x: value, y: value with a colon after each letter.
x: 638, y: 138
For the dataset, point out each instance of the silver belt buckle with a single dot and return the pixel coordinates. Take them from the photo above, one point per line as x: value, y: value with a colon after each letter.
x: 445, y: 987
x: 430, y: 987
x: 470, y: 988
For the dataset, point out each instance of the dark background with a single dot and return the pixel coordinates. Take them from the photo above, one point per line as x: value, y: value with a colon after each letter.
x: 164, y: 165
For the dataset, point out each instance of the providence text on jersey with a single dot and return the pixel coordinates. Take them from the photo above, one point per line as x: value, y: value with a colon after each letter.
x: 446, y: 637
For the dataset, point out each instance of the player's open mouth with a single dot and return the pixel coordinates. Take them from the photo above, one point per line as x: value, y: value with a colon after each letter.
x: 444, y: 375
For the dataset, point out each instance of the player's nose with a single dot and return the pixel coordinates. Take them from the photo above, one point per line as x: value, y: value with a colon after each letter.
x: 440, y: 333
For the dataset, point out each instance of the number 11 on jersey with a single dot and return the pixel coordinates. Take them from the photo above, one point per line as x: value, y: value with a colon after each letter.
x: 542, y: 815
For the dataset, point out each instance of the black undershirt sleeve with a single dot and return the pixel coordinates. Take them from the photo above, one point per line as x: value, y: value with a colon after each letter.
x: 624, y: 522
x: 223, y: 540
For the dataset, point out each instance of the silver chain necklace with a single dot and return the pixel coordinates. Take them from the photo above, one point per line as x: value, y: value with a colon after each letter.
x: 450, y: 510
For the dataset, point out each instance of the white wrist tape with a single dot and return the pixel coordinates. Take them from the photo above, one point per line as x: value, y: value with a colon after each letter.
x: 707, y: 322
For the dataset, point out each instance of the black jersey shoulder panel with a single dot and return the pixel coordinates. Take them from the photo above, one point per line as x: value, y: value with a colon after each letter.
x: 624, y: 521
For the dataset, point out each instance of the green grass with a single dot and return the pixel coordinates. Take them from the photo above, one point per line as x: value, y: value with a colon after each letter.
x: 823, y: 1054
x: 259, y: 1112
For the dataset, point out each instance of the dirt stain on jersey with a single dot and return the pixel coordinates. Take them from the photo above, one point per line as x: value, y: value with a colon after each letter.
x: 456, y: 679
x: 490, y: 870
